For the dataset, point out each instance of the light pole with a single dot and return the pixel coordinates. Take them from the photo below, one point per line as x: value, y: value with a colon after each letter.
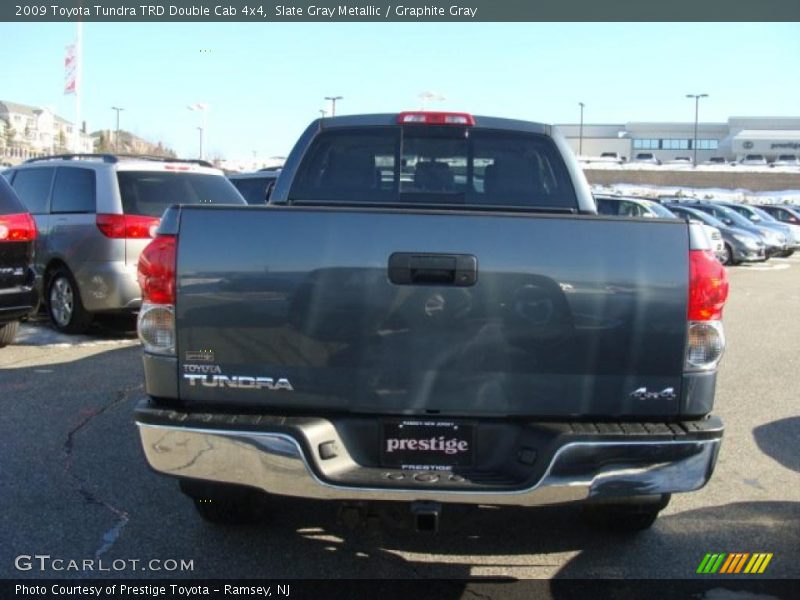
x: 202, y: 108
x: 696, y: 112
x: 116, y: 135
x: 322, y: 112
x: 200, y: 129
x: 580, y: 131
x: 333, y: 100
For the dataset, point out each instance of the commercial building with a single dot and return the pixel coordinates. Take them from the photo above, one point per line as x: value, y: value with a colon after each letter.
x: 29, y: 131
x: 733, y: 140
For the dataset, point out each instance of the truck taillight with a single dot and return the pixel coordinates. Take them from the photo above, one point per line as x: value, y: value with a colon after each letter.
x: 708, y: 286
x: 435, y: 118
x: 156, y: 273
x: 708, y: 291
x: 127, y: 226
x: 17, y: 228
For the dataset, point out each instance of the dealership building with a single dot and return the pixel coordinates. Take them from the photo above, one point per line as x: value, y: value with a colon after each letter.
x: 733, y: 140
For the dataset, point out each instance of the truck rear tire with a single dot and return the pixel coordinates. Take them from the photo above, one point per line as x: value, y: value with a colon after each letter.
x: 626, y: 517
x: 223, y: 504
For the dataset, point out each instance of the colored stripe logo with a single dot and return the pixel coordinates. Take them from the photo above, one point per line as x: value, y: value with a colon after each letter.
x: 733, y: 563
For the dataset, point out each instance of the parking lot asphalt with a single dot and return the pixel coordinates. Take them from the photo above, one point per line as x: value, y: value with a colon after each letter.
x: 74, y: 484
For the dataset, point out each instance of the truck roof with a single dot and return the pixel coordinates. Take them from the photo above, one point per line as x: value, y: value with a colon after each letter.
x: 389, y: 119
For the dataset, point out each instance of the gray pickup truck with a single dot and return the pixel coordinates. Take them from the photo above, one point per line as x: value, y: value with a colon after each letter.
x: 430, y: 310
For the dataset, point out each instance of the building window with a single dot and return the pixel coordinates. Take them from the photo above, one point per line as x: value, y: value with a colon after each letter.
x: 675, y: 144
x: 707, y: 144
x: 650, y: 144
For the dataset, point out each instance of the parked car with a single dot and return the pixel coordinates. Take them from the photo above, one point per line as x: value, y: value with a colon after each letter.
x: 793, y: 228
x: 775, y: 243
x: 739, y: 245
x: 641, y: 207
x: 786, y: 160
x: 762, y: 219
x: 785, y: 213
x: 18, y: 295
x: 255, y: 187
x: 716, y: 160
x: 430, y: 311
x: 754, y: 160
x: 95, y: 214
x: 679, y: 161
x: 620, y: 206
x: 646, y: 157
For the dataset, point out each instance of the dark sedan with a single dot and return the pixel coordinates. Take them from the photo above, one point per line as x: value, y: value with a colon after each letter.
x: 17, y: 234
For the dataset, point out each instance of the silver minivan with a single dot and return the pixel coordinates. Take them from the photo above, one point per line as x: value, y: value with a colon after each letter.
x: 95, y: 213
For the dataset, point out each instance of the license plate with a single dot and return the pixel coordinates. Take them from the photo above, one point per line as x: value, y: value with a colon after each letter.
x: 421, y: 444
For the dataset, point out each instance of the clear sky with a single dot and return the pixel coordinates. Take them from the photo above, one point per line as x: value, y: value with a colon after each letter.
x: 265, y: 82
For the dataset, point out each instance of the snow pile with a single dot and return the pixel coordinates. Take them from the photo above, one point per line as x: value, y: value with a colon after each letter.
x: 737, y: 195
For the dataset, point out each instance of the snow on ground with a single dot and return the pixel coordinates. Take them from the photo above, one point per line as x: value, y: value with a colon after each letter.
x: 737, y: 195
x: 612, y: 164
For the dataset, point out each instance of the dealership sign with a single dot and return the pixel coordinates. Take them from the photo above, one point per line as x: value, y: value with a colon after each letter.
x: 768, y: 147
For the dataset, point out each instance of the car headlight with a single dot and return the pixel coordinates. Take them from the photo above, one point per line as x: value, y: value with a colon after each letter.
x: 775, y: 239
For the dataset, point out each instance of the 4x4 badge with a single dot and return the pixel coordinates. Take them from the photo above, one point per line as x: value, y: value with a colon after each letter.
x: 643, y: 394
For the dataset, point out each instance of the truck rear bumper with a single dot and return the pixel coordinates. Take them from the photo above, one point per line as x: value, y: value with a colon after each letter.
x: 282, y: 457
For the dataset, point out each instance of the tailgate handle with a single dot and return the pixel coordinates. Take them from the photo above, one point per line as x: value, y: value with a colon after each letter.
x: 412, y: 268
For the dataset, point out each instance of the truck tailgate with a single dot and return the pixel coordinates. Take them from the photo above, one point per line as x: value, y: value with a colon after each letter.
x: 294, y: 308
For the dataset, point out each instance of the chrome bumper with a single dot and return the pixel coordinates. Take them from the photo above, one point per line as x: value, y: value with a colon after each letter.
x: 276, y: 463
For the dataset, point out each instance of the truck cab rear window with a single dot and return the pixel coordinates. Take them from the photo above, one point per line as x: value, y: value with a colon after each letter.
x: 434, y: 165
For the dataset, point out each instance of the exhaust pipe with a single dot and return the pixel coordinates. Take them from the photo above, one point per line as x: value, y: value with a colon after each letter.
x: 426, y: 516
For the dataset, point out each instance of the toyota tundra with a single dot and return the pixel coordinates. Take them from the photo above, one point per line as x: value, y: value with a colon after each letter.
x: 430, y: 310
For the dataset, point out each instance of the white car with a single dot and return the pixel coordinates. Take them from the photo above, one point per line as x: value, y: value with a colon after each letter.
x: 646, y: 157
x: 717, y: 243
x: 786, y: 160
x: 754, y: 160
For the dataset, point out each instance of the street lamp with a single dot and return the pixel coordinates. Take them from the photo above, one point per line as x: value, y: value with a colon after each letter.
x: 116, y: 135
x: 580, y: 131
x: 322, y: 112
x: 202, y: 108
x: 696, y: 112
x: 333, y: 100
x: 200, y: 129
